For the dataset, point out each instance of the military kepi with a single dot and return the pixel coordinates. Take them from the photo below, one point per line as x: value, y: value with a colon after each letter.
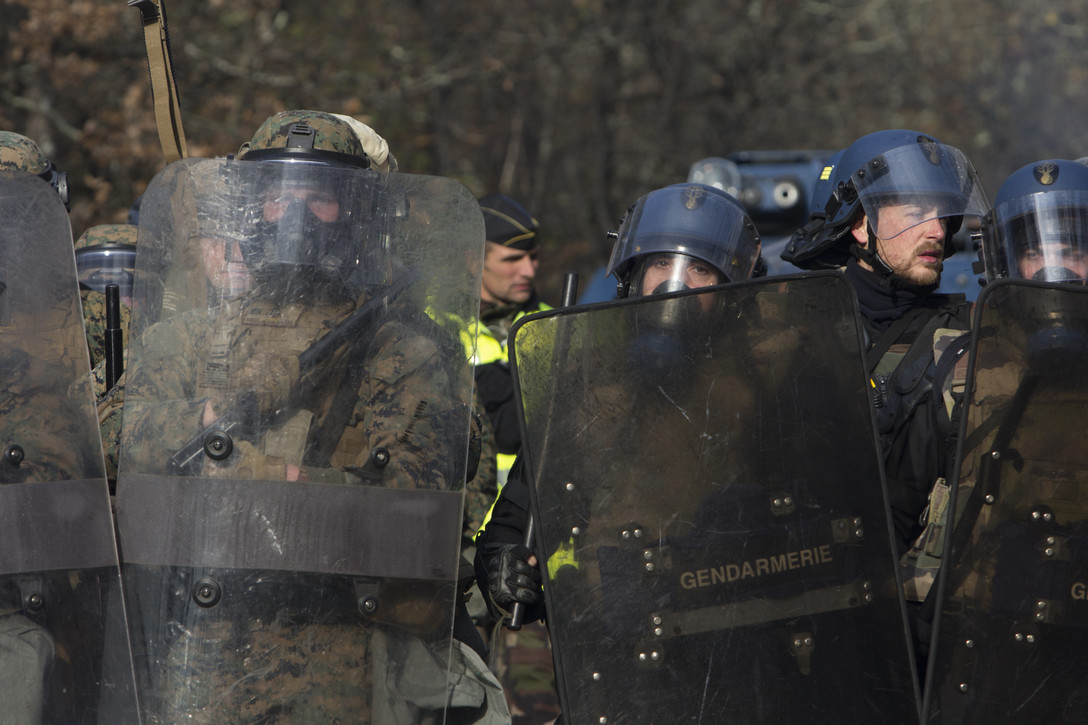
x: 507, y: 223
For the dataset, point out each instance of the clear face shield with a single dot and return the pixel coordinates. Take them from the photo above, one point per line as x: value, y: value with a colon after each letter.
x: 691, y: 233
x: 308, y: 216
x: 98, y: 267
x: 918, y: 184
x: 665, y: 272
x: 672, y: 272
x: 1041, y: 237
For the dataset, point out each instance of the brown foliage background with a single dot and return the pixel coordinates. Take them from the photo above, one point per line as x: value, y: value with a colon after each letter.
x: 576, y: 107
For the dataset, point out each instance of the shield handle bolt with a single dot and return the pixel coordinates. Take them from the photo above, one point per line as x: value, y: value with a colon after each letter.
x: 207, y: 592
x: 35, y: 601
x: 218, y: 445
x: 368, y: 605
x: 379, y: 457
x: 14, y: 454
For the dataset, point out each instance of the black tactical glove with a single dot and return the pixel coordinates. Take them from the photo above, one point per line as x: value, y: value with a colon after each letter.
x: 511, y: 578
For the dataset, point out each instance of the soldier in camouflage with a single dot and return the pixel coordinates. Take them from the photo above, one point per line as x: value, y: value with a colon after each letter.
x: 300, y: 255
x: 51, y: 642
x: 22, y: 155
x: 27, y: 373
x: 32, y: 401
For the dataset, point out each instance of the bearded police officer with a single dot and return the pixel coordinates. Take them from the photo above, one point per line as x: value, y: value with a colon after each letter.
x: 895, y: 200
x: 695, y: 518
x: 693, y: 255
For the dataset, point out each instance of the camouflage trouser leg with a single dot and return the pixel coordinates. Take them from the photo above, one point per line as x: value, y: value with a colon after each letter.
x: 522, y: 661
x: 26, y: 651
x: 268, y: 672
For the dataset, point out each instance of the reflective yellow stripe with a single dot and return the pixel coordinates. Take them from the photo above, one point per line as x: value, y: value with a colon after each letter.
x: 505, y: 463
x: 564, y: 556
x: 488, y: 349
x: 487, y: 518
x: 482, y: 348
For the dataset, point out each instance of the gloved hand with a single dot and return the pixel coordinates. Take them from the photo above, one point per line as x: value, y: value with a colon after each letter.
x: 511, y: 578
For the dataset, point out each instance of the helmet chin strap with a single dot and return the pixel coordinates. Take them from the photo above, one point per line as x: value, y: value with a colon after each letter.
x: 871, y: 256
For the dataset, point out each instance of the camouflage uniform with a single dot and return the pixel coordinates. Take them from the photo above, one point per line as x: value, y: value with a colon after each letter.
x: 401, y: 405
x: 52, y: 639
x: 33, y: 400
x: 291, y: 646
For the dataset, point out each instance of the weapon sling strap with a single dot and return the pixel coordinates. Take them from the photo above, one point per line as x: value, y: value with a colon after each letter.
x: 163, y: 86
x: 889, y: 336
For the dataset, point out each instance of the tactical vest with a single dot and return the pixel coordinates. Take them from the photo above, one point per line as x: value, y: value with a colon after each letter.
x: 917, y: 392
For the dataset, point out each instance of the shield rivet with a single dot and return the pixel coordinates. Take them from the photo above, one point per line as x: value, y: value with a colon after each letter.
x: 207, y: 592
x: 14, y: 454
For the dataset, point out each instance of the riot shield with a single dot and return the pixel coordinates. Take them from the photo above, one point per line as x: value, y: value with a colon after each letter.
x: 709, y: 501
x: 1013, y: 587
x: 63, y: 647
x: 295, y: 441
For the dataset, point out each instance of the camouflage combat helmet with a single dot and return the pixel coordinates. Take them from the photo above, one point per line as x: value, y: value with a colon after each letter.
x: 20, y: 154
x: 321, y: 137
x: 106, y: 235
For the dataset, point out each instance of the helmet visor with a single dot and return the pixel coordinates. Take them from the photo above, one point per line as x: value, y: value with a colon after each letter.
x: 671, y: 272
x: 917, y: 184
x: 689, y: 220
x: 1042, y: 237
x: 99, y: 267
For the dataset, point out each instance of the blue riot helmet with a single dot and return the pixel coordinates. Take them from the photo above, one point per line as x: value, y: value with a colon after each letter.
x: 680, y: 237
x: 898, y: 168
x: 817, y: 216
x: 821, y: 191
x: 1038, y: 228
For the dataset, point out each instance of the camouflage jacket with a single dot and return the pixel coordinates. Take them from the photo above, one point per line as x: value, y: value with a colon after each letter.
x: 405, y: 417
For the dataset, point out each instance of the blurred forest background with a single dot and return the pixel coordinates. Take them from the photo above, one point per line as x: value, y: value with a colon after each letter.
x: 574, y: 107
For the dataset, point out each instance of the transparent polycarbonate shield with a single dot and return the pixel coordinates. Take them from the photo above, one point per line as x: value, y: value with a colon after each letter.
x: 708, y: 500
x: 295, y: 440
x: 1012, y: 619
x: 63, y: 647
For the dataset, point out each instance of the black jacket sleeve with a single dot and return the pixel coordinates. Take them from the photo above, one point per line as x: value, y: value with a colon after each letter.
x: 510, y: 516
x: 496, y: 387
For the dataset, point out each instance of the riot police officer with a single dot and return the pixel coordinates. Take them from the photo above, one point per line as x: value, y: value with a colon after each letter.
x: 1011, y: 578
x: 680, y: 237
x: 105, y: 255
x: 896, y: 199
x: 681, y: 443
x: 1037, y: 230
